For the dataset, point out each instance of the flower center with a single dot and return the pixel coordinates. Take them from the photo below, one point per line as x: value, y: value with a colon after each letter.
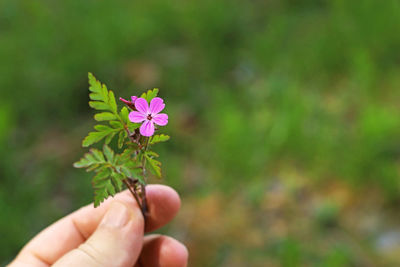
x: 149, y: 117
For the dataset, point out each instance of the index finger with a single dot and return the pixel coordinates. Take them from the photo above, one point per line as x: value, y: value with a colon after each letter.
x: 69, y: 232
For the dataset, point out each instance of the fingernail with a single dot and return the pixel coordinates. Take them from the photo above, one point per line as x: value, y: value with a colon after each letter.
x: 116, y: 216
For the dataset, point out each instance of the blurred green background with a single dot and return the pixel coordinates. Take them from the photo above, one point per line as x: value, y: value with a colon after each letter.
x: 284, y: 117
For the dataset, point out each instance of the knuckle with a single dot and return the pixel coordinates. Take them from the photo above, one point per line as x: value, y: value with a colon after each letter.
x: 92, y: 253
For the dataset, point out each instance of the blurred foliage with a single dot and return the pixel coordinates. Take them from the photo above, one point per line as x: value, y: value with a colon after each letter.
x: 284, y: 118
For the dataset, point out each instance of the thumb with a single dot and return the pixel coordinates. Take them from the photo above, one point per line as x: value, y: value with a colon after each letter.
x: 117, y: 240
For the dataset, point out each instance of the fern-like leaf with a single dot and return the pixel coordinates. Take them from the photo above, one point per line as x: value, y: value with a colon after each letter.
x: 159, y: 138
x: 150, y: 94
x: 155, y: 165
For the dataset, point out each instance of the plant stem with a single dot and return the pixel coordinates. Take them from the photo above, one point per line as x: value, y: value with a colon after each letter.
x: 145, y: 209
x: 133, y: 192
x: 143, y: 203
x: 143, y: 185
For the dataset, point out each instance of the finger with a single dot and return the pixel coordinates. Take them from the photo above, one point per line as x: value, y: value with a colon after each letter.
x: 117, y: 240
x: 163, y: 251
x: 69, y: 232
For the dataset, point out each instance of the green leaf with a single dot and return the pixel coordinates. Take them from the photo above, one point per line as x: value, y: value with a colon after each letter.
x: 102, y: 191
x: 98, y: 155
x: 124, y: 114
x: 93, y: 158
x: 111, y: 188
x: 92, y: 167
x: 94, y: 84
x: 99, y: 105
x: 105, y: 116
x: 105, y: 183
x: 101, y: 175
x: 103, y: 128
x: 99, y: 196
x: 133, y: 126
x: 82, y: 163
x: 117, y: 181
x: 116, y: 124
x: 150, y: 94
x: 112, y: 102
x: 109, y: 153
x: 152, y: 154
x: 95, y: 96
x: 159, y: 138
x: 121, y: 138
x: 139, y: 176
x: 93, y: 137
x: 103, y: 131
x: 109, y: 138
x: 155, y: 165
x: 102, y: 99
x: 125, y: 155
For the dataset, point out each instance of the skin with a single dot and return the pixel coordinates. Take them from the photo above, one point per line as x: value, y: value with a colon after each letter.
x: 110, y: 235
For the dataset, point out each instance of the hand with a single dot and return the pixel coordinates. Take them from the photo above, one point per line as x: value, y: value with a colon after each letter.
x: 110, y: 235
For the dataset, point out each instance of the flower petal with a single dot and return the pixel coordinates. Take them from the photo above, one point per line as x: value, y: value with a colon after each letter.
x: 160, y: 119
x: 137, y: 117
x: 147, y: 128
x: 156, y: 105
x: 141, y: 105
x: 134, y: 98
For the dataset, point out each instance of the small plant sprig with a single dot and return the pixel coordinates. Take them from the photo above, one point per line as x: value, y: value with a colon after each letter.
x: 134, y: 126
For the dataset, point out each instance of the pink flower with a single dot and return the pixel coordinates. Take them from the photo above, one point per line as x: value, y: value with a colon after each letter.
x: 149, y: 116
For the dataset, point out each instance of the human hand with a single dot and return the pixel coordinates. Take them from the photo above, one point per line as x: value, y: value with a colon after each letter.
x: 110, y: 235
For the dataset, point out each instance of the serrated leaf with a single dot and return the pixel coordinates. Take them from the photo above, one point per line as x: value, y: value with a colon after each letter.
x: 112, y: 102
x: 89, y: 160
x: 99, y: 196
x: 102, y: 99
x: 103, y: 190
x: 109, y: 153
x: 109, y: 138
x: 93, y: 137
x: 121, y: 138
x: 133, y: 126
x: 103, y: 128
x: 117, y: 181
x: 101, y: 175
x: 97, y: 154
x: 105, y: 116
x: 152, y: 154
x: 99, y: 105
x: 111, y: 188
x: 105, y: 94
x: 155, y: 165
x: 116, y: 124
x: 94, y: 84
x: 82, y: 163
x: 103, y: 131
x: 104, y: 185
x: 92, y: 167
x: 159, y: 138
x: 126, y: 155
x: 150, y: 94
x: 124, y: 114
x: 138, y: 174
x: 95, y: 96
